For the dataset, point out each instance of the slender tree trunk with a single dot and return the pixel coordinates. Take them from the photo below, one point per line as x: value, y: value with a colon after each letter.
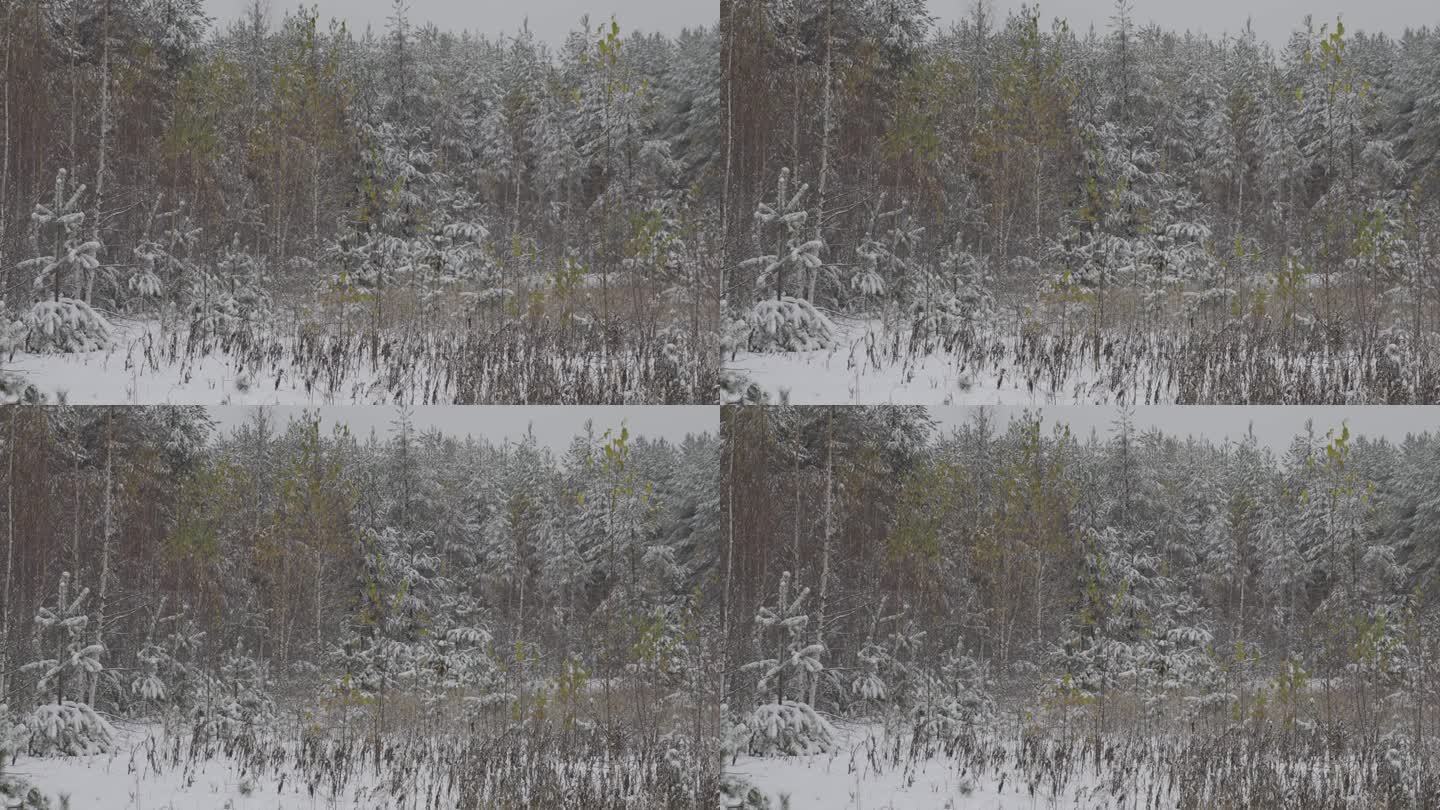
x: 319, y: 582
x: 728, y: 43
x: 9, y: 554
x: 520, y: 563
x: 829, y: 518
x: 106, y: 537
x: 826, y: 107
x: 729, y: 555
x: 795, y: 540
x: 795, y: 106
x: 104, y: 141
x: 5, y: 167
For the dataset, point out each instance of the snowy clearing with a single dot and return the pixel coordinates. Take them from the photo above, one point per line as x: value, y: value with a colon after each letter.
x: 132, y: 776
x: 148, y: 364
x: 869, y: 361
x: 872, y: 766
x: 149, y: 768
x: 854, y: 775
x: 134, y: 371
x: 853, y: 371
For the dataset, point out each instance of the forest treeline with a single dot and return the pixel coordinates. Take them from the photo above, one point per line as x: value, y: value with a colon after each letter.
x: 271, y: 177
x: 1015, y: 179
x: 1021, y: 577
x: 289, y: 581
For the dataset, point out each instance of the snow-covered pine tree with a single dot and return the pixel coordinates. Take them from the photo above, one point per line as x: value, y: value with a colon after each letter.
x: 956, y: 302
x: 785, y: 322
x: 232, y: 299
x: 238, y: 705
x: 146, y: 283
x: 62, y: 723
x: 148, y: 686
x: 783, y: 726
x: 58, y: 321
x: 164, y: 675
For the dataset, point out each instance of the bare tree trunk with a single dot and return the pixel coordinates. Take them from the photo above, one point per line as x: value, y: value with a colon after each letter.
x: 106, y: 536
x: 9, y: 557
x: 319, y: 583
x: 104, y: 140
x: 795, y: 107
x: 729, y: 560
x: 520, y: 559
x: 5, y: 170
x: 829, y: 517
x: 826, y: 106
x: 728, y: 43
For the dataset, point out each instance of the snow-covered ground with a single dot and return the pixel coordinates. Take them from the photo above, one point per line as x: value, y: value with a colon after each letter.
x: 148, y: 769
x: 872, y: 364
x: 149, y: 365
x: 135, y: 775
x: 859, y: 774
x: 1257, y: 766
x: 847, y: 373
x: 133, y: 371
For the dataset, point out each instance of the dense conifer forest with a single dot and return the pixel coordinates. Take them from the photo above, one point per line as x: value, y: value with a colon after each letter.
x: 1006, y: 612
x: 286, y: 609
x: 1008, y: 209
x: 282, y: 208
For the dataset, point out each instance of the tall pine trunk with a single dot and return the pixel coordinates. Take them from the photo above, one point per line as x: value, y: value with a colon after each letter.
x: 5, y: 165
x: 106, y: 537
x: 729, y: 559
x: 104, y: 145
x: 9, y: 556
x: 829, y: 518
x: 826, y: 107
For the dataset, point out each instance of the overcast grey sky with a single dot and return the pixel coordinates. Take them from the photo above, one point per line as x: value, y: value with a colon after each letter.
x: 1273, y: 20
x: 554, y: 425
x: 1274, y: 425
x: 550, y: 20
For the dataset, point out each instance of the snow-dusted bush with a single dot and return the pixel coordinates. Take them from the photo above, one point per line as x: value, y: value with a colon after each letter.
x: 236, y: 706
x: 66, y: 325
x: 12, y: 336
x: 957, y: 301
x: 68, y: 728
x: 788, y: 325
x: 950, y: 716
x: 868, y: 685
x: 60, y: 724
x: 734, y: 734
x: 15, y: 792
x: 232, y: 299
x: 788, y: 729
x: 58, y: 322
x: 12, y: 733
x: 781, y: 726
x: 737, y: 389
x: 736, y: 793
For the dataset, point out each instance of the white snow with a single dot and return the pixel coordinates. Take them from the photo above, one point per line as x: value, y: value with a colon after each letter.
x: 859, y: 775
x: 127, y: 373
x: 847, y: 373
x: 127, y: 778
